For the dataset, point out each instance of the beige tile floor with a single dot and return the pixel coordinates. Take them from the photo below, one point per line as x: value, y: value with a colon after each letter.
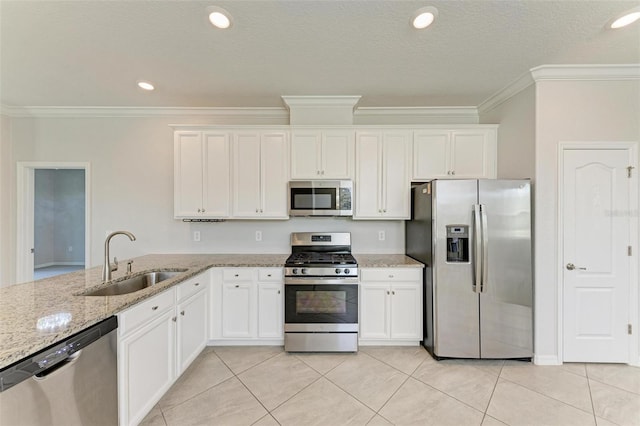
x: 266, y: 386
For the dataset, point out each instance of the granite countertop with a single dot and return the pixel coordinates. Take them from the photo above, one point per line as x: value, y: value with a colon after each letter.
x: 386, y: 261
x: 25, y: 308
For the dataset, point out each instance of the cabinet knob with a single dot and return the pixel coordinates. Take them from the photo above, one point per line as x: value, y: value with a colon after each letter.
x: 387, y: 291
x: 260, y: 210
x: 256, y: 210
x: 154, y: 308
x: 278, y: 291
x: 268, y: 275
x: 237, y: 286
x: 390, y: 276
x: 453, y: 172
x: 317, y: 172
x: 236, y: 275
x: 203, y: 210
x: 322, y: 172
x: 182, y: 313
x: 384, y: 210
x: 196, y: 284
x: 393, y: 292
x: 174, y: 319
x: 198, y: 210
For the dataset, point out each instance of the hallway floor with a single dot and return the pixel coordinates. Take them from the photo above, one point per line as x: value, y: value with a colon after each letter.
x: 393, y: 386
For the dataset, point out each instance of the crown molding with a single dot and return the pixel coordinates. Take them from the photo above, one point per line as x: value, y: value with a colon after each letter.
x: 506, y: 93
x: 586, y: 72
x: 449, y: 112
x: 321, y: 101
x: 258, y: 113
x: 561, y: 73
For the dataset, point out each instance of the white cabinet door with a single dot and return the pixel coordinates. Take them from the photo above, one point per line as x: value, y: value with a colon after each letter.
x: 192, y: 329
x: 188, y: 174
x: 337, y: 155
x: 396, y: 184
x: 374, y: 311
x: 274, y: 176
x: 406, y: 311
x: 383, y: 183
x: 457, y: 154
x: 217, y: 175
x: 431, y: 154
x: 145, y: 367
x: 246, y: 175
x: 271, y: 310
x: 305, y: 154
x: 260, y: 175
x: 368, y: 175
x: 322, y: 154
x: 473, y: 154
x: 238, y: 309
x: 201, y: 174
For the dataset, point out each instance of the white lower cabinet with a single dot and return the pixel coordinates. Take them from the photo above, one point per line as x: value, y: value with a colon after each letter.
x: 157, y: 340
x: 247, y: 306
x: 390, y: 306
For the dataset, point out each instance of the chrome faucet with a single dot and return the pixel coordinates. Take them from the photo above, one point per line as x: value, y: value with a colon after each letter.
x: 107, y: 269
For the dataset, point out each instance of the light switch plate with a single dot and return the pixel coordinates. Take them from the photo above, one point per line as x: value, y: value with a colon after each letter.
x: 196, y: 235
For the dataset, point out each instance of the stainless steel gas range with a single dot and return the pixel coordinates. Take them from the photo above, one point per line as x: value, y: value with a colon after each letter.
x: 321, y: 294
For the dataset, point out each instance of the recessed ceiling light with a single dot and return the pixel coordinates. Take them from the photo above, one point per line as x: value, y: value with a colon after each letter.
x: 626, y: 19
x: 219, y: 17
x: 424, y: 17
x: 145, y: 85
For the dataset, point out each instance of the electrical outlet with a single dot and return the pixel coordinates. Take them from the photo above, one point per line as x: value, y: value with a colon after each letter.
x: 196, y: 235
x: 381, y: 236
x: 258, y: 235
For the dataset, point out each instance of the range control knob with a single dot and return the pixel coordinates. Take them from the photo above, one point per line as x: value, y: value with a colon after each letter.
x: 295, y: 271
x: 337, y: 271
x: 304, y: 271
x: 347, y: 271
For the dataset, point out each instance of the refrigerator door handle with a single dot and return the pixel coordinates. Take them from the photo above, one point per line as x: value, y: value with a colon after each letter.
x: 477, y: 250
x: 485, y: 250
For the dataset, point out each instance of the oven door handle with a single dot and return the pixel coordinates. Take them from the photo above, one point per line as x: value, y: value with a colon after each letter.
x: 321, y: 281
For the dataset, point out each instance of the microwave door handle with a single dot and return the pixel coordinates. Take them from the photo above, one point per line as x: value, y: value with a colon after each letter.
x: 477, y: 250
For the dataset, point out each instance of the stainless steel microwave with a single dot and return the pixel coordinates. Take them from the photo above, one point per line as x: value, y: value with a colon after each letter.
x: 321, y: 198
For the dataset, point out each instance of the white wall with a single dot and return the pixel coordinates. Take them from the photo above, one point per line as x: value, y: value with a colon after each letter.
x: 516, y: 134
x: 7, y: 238
x: 132, y: 189
x: 569, y: 111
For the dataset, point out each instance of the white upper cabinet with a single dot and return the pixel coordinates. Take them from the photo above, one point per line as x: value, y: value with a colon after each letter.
x: 201, y: 174
x: 382, y: 183
x: 455, y: 154
x: 260, y: 175
x: 322, y: 154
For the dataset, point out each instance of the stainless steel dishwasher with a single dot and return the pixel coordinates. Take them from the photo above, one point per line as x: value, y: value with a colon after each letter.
x: 73, y: 382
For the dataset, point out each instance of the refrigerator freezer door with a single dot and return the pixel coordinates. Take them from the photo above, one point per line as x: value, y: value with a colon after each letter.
x: 506, y: 315
x: 456, y: 305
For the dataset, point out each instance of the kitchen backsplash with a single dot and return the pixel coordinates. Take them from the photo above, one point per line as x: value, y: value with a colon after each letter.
x: 240, y: 236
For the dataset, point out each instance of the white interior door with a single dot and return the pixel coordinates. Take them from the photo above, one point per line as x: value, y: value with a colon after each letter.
x: 596, y: 209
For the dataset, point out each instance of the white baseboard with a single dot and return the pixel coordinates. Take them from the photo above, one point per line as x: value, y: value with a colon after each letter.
x: 546, y: 360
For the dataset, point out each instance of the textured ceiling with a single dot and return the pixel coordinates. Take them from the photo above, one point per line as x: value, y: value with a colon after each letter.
x: 91, y: 53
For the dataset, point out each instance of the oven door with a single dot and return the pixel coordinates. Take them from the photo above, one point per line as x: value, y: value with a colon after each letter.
x: 315, y: 304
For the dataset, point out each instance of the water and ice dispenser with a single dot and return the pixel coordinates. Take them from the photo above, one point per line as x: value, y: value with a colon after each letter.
x: 458, y: 243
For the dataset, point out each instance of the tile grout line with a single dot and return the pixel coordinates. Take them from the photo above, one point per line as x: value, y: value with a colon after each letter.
x: 593, y: 407
x: 549, y: 396
x: 484, y: 415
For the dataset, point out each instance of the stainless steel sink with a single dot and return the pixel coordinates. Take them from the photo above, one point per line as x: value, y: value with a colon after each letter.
x: 133, y: 283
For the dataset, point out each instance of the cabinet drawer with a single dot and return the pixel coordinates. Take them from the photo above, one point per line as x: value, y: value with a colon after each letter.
x: 390, y: 275
x: 191, y: 286
x: 145, y: 311
x: 270, y: 274
x: 237, y: 274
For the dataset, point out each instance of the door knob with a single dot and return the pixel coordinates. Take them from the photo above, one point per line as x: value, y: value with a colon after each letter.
x: 571, y: 267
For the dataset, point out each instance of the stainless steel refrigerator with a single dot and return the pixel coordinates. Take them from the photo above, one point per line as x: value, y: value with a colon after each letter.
x: 474, y: 236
